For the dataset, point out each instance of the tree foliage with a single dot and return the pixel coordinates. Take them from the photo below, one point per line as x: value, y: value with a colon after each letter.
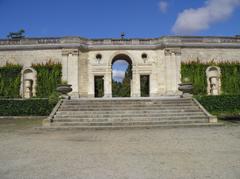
x: 123, y: 89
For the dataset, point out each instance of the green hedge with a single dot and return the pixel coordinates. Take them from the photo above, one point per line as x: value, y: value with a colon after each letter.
x: 196, y: 72
x: 221, y: 105
x: 28, y: 107
x: 48, y: 76
x: 10, y: 80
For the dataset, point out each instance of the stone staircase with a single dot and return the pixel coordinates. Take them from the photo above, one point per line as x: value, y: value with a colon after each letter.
x: 128, y: 113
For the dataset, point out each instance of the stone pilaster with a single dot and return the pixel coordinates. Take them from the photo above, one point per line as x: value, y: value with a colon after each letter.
x: 135, y: 85
x: 108, y: 84
x: 172, y: 70
x: 70, y: 69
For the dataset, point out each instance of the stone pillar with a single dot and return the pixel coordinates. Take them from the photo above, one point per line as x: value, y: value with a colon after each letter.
x: 70, y: 69
x: 108, y: 84
x: 172, y: 71
x: 135, y: 87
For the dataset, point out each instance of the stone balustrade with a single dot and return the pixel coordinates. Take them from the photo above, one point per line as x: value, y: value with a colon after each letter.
x: 165, y: 41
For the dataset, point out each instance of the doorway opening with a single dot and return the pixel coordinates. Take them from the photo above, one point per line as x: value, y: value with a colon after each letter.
x: 98, y: 86
x: 121, y: 76
x: 145, y: 85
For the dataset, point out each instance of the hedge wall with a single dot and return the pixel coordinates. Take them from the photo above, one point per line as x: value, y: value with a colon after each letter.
x: 48, y: 76
x: 221, y: 105
x: 20, y: 107
x: 196, y: 72
x: 10, y: 80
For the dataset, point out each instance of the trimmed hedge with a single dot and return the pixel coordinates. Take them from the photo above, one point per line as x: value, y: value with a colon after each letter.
x: 10, y: 80
x: 26, y: 107
x: 48, y: 76
x: 221, y: 105
x: 196, y: 72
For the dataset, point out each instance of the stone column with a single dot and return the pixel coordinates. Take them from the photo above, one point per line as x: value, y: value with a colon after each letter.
x: 135, y: 88
x: 70, y: 69
x: 108, y: 84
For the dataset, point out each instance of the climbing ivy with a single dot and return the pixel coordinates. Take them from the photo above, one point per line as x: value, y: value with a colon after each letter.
x: 48, y: 76
x: 10, y: 80
x: 195, y: 71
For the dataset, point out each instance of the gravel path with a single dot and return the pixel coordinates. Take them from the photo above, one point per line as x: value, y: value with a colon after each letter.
x: 119, y: 154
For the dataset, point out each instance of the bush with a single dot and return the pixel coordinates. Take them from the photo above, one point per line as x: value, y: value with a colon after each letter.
x: 221, y: 105
x: 25, y: 107
x: 48, y: 76
x: 10, y: 80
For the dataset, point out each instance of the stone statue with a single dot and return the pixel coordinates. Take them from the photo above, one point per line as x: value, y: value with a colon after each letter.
x: 28, y: 88
x: 16, y: 35
x: 214, y: 86
x: 213, y: 74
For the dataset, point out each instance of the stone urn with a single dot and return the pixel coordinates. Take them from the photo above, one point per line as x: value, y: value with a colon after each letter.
x: 64, y: 89
x: 186, y: 89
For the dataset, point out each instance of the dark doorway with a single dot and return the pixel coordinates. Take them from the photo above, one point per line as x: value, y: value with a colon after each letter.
x: 145, y: 85
x: 99, y: 86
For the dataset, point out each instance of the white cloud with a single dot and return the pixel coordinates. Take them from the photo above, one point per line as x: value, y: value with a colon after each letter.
x: 163, y: 6
x: 194, y: 20
x: 118, y: 75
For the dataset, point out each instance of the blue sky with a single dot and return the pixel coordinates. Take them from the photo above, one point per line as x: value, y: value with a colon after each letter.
x: 108, y: 18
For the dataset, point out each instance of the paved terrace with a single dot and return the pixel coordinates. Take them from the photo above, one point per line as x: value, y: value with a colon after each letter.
x: 177, y: 153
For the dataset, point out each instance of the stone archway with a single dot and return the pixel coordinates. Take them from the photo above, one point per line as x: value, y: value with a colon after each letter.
x: 121, y: 68
x: 28, y: 82
x: 213, y: 74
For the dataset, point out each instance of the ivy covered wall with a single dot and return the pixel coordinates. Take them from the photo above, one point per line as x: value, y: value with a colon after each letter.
x: 196, y: 72
x: 10, y: 80
x: 48, y: 76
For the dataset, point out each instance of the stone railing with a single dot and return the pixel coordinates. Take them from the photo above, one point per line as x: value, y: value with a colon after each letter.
x: 30, y: 41
x: 155, y: 42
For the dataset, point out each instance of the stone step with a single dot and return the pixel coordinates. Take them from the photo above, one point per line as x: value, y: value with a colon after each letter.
x: 125, y: 113
x: 129, y: 102
x: 80, y: 119
x: 136, y: 103
x: 128, y: 123
x: 204, y: 124
x: 114, y: 108
x: 76, y: 114
x: 131, y: 111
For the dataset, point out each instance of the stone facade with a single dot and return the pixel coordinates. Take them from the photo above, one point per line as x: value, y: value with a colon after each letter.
x: 80, y: 64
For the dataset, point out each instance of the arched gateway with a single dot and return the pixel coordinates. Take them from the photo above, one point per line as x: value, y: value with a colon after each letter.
x: 121, y: 76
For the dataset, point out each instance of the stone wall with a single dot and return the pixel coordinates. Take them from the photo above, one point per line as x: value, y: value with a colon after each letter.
x: 80, y: 65
x: 206, y: 55
x: 28, y: 57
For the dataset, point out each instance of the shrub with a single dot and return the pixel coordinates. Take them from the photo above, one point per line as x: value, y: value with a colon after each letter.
x: 10, y: 80
x: 220, y: 105
x: 25, y: 107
